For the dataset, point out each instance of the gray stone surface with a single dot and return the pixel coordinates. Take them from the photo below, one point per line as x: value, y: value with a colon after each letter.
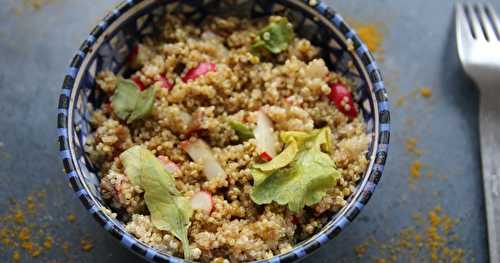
x: 35, y: 50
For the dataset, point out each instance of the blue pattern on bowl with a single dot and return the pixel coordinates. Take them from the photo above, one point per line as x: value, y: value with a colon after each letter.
x: 110, y: 42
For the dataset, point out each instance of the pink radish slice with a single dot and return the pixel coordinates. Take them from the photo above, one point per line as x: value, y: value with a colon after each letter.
x: 164, y: 82
x: 170, y: 166
x: 266, y: 142
x: 265, y: 156
x: 137, y: 80
x: 201, y: 153
x: 201, y: 69
x: 342, y: 98
x: 202, y: 200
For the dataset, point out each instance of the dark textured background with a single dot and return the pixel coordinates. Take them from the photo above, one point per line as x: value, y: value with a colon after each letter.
x: 35, y: 50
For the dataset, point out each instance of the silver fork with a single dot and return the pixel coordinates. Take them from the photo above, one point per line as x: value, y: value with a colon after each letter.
x: 478, y: 43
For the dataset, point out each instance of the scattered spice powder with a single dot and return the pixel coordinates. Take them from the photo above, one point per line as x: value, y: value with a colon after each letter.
x: 65, y: 246
x: 31, y: 5
x: 415, y: 169
x: 19, y: 217
x: 31, y: 248
x: 22, y: 230
x: 371, y: 35
x: 37, y: 4
x: 415, y: 173
x: 47, y: 243
x: 16, y: 256
x: 24, y: 234
x: 86, y: 245
x: 361, y: 250
x: 425, y: 92
x: 430, y: 239
x: 71, y: 218
x: 411, y: 146
x: 30, y: 204
x: 400, y: 101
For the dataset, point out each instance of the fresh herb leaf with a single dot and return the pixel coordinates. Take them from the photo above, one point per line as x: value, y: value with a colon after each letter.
x: 305, y: 181
x: 281, y: 160
x: 244, y: 132
x: 319, y: 138
x: 275, y: 37
x: 169, y: 210
x: 132, y: 164
x: 129, y: 103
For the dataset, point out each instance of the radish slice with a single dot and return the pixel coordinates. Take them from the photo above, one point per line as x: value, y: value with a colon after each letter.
x: 200, y: 152
x: 342, y: 98
x: 265, y: 156
x: 202, y: 200
x: 164, y: 82
x: 201, y: 69
x: 170, y: 166
x: 266, y: 142
x: 137, y: 80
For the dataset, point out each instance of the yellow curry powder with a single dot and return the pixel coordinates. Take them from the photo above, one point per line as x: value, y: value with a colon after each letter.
x: 371, y: 35
x: 71, y: 218
x: 430, y: 239
x: 16, y: 256
x: 37, y: 4
x: 411, y: 146
x: 47, y: 243
x: 30, y: 240
x: 425, y: 92
x: 415, y: 169
x: 360, y: 250
x: 86, y: 245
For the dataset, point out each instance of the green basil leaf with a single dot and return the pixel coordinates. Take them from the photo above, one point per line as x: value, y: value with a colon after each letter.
x: 305, y: 180
x: 244, y: 132
x: 169, y: 210
x: 281, y: 160
x: 129, y: 103
x: 131, y: 160
x: 275, y: 37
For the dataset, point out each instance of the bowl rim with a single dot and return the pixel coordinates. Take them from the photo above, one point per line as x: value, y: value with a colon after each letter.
x: 341, y: 219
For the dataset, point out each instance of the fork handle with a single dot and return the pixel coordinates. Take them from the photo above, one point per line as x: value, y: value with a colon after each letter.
x: 489, y: 128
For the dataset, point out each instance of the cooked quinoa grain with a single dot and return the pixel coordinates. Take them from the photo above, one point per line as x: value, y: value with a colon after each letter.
x: 201, y: 77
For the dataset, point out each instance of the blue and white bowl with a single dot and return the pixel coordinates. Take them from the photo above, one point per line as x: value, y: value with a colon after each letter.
x: 109, y: 44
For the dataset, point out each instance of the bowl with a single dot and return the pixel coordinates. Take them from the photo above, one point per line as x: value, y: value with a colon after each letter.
x: 109, y: 44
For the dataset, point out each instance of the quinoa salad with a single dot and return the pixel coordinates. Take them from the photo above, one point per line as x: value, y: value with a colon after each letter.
x: 228, y: 141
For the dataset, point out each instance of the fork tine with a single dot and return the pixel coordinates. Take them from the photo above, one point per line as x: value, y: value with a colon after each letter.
x: 463, y: 29
x: 488, y: 27
x: 474, y: 21
x: 495, y: 22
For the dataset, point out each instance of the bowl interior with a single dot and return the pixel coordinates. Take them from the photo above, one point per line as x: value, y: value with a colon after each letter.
x: 112, y: 40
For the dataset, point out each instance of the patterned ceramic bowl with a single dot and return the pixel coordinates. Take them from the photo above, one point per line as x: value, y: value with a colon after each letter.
x: 112, y: 39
